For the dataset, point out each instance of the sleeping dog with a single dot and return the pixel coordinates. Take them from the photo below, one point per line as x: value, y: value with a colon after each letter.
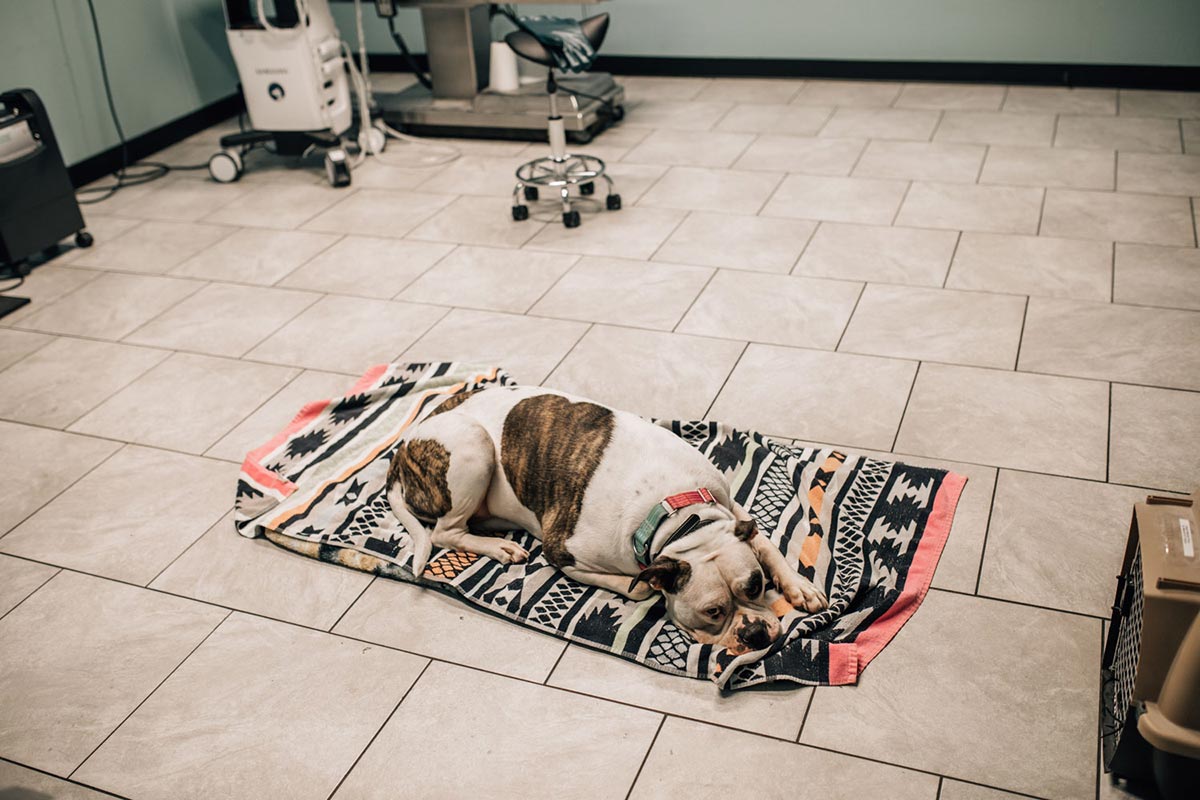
x: 616, y: 501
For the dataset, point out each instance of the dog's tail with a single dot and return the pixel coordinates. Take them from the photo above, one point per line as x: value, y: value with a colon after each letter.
x: 422, y: 539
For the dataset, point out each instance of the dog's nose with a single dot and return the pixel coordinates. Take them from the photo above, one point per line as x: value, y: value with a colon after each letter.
x: 755, y: 636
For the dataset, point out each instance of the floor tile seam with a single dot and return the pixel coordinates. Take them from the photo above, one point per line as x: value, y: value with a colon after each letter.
x: 1019, y: 603
x: 588, y: 329
x: 571, y: 265
x: 1021, y: 336
x: 987, y: 527
x: 41, y: 771
x: 123, y: 443
x: 862, y: 289
x: 804, y: 717
x: 316, y: 298
x: 950, y: 263
x: 379, y: 730
x: 338, y: 239
x: 59, y: 493
x: 152, y: 692
x: 646, y: 756
x: 34, y: 591
x: 580, y: 693
x: 907, y: 400
x: 812, y: 234
x: 712, y: 276
x: 725, y: 382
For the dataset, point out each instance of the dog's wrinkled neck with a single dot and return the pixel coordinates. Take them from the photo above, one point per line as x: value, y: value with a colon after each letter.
x: 663, y: 544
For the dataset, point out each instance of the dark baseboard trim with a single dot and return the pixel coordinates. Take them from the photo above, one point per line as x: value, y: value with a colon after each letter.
x: 1125, y: 76
x: 1129, y: 76
x: 152, y: 141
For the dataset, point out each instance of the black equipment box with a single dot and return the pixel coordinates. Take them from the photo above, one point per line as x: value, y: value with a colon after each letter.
x: 37, y: 201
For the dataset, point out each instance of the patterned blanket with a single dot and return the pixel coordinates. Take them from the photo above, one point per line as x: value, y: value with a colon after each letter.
x: 869, y: 531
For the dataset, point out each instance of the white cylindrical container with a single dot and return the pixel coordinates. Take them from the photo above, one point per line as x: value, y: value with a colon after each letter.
x: 503, y: 69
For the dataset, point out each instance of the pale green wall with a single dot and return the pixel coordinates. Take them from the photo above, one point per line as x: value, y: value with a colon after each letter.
x: 1148, y: 32
x: 166, y: 58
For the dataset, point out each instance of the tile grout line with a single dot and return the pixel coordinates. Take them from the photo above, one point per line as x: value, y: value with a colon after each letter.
x: 1112, y: 276
x: 557, y: 661
x: 953, y: 255
x: 900, y: 206
x: 32, y: 593
x: 531, y: 682
x: 571, y: 265
x: 152, y: 692
x: 1041, y: 211
x: 305, y: 262
x: 808, y: 240
x: 725, y: 382
x: 1021, y: 339
x: 1108, y: 436
x: 807, y: 708
x: 696, y: 299
x: 986, y: 530
x: 911, y: 388
x: 850, y: 317
x: 59, y: 493
x: 654, y: 740
x: 359, y: 757
x: 987, y: 151
x: 40, y: 771
x: 571, y: 349
x: 941, y: 780
x: 454, y: 248
x: 761, y: 206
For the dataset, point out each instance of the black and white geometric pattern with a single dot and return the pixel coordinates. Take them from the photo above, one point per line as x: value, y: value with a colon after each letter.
x: 325, y: 484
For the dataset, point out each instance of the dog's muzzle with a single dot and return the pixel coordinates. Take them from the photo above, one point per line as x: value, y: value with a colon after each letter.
x: 755, y: 635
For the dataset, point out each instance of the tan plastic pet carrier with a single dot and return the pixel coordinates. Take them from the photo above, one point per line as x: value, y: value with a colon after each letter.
x: 1150, y: 713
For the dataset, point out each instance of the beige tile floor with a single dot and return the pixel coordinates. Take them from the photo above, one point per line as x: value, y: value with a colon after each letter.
x: 1004, y: 281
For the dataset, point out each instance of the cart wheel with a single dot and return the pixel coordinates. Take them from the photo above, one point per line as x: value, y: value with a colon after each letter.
x: 587, y: 188
x: 571, y: 219
x: 337, y: 168
x: 618, y: 113
x: 613, y: 202
x: 83, y: 239
x: 373, y: 140
x: 531, y: 193
x: 225, y: 166
x: 520, y: 213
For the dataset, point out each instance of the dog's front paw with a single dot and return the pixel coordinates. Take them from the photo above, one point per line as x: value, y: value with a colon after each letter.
x: 803, y: 593
x: 510, y: 553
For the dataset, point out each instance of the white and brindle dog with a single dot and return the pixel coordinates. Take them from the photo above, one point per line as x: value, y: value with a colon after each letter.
x: 616, y: 501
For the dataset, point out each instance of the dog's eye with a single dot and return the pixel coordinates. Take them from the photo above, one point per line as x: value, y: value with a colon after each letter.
x: 716, y: 612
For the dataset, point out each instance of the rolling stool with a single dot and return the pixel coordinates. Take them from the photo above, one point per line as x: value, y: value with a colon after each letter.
x: 560, y: 170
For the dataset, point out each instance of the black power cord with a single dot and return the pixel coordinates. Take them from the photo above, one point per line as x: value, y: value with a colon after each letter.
x: 154, y: 169
x: 422, y: 77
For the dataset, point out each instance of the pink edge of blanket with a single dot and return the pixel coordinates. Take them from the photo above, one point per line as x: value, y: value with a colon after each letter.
x: 252, y: 465
x: 847, y: 661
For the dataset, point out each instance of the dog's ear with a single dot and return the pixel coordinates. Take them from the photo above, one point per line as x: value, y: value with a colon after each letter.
x: 745, y: 529
x: 665, y: 574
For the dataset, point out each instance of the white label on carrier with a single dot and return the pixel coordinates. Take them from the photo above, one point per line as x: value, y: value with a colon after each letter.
x: 1185, y: 530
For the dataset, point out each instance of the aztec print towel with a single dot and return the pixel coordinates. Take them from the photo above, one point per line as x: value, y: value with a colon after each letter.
x: 869, y: 531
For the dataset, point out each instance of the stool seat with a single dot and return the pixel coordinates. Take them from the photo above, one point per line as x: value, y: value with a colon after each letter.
x: 528, y: 46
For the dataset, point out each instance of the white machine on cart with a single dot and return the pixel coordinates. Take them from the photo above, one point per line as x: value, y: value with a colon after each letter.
x: 295, y: 75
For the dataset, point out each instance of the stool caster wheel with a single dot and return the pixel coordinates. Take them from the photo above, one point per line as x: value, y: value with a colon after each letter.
x: 83, y: 239
x: 521, y: 212
x: 587, y: 188
x: 337, y: 168
x: 571, y: 219
x: 618, y: 113
x: 225, y: 166
x: 613, y: 202
x: 531, y: 193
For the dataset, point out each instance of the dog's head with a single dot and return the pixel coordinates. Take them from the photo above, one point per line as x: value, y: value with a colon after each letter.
x: 715, y: 587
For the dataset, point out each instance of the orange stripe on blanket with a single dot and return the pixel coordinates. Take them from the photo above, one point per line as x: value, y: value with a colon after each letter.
x: 417, y: 408
x: 811, y: 549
